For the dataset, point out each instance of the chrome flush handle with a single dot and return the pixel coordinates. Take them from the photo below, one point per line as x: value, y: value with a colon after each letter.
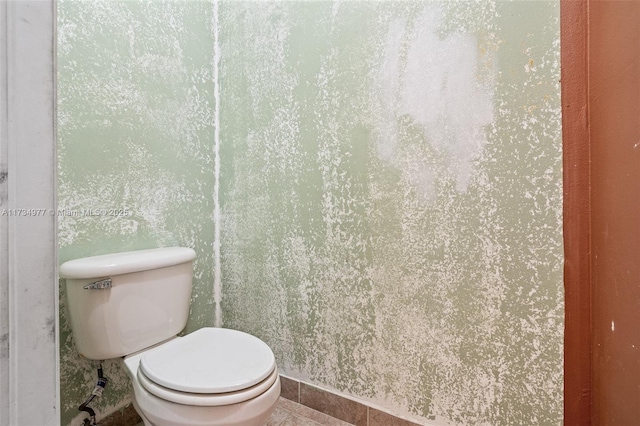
x: 99, y: 285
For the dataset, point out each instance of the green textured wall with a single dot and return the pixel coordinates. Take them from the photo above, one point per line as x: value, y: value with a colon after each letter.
x: 135, y: 130
x: 390, y: 188
x: 391, y: 201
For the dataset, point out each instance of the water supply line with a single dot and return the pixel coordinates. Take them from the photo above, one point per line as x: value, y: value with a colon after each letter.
x: 97, y: 391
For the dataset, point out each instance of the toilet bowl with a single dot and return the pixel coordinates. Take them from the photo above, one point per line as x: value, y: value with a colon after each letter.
x: 223, y: 377
x: 133, y: 305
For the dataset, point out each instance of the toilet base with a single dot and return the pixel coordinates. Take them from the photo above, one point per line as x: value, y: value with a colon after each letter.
x: 145, y: 421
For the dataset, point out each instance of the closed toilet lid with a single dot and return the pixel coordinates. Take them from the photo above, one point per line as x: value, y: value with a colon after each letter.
x: 209, y: 361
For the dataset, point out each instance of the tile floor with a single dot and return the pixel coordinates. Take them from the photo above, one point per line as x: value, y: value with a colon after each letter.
x: 289, y: 413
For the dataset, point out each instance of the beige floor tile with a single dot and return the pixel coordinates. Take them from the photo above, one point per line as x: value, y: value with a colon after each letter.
x: 289, y: 413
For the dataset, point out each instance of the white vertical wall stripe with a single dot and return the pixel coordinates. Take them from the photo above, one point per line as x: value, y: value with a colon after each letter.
x: 217, y: 283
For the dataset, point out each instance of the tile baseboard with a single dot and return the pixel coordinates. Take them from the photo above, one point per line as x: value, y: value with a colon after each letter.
x: 338, y: 406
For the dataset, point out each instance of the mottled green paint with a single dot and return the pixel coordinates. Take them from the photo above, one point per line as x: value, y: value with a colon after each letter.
x: 135, y: 131
x: 391, y: 201
x: 390, y: 188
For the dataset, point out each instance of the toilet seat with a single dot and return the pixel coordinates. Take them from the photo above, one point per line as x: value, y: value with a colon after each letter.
x: 209, y: 367
x: 207, y: 400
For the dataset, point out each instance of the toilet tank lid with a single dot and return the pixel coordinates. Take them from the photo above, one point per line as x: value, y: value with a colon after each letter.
x: 126, y: 262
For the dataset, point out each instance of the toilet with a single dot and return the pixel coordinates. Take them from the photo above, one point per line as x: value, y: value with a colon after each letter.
x: 133, y: 305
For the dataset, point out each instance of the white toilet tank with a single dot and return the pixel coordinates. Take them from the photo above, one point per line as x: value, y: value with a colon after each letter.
x: 121, y: 303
